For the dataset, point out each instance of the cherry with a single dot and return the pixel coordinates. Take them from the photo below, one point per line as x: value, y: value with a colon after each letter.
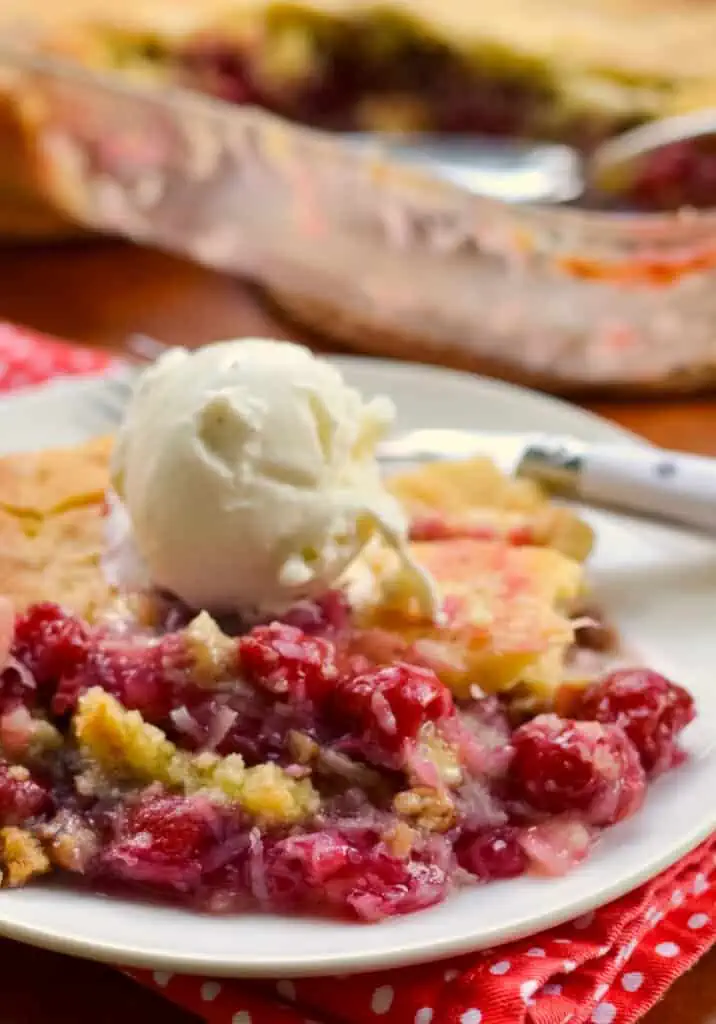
x: 287, y: 662
x: 145, y: 677
x: 650, y: 709
x: 561, y: 766
x: 162, y: 842
x: 353, y: 872
x: 491, y: 853
x: 50, y: 642
x: 393, y: 703
x: 21, y: 796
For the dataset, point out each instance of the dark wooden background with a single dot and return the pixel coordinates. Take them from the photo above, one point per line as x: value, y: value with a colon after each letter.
x: 98, y: 292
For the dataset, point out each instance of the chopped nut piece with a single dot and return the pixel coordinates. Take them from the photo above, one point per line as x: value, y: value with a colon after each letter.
x: 44, y: 739
x: 215, y: 654
x: 341, y: 767
x: 22, y: 856
x: 400, y: 839
x: 302, y: 747
x: 428, y: 808
x: 26, y: 739
x: 124, y: 745
x: 66, y: 852
x: 69, y: 842
x: 142, y: 609
x: 441, y: 754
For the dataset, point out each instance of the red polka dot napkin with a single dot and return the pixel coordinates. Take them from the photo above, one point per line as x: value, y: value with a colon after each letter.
x: 608, y: 967
x: 28, y: 358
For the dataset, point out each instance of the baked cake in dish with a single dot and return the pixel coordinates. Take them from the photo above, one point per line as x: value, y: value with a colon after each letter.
x: 575, y: 70
x: 346, y: 758
x: 578, y: 70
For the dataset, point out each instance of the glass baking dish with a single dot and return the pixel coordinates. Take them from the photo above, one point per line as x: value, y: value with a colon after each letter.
x: 383, y: 258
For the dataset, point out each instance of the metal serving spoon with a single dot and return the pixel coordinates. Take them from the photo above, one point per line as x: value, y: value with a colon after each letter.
x: 526, y: 172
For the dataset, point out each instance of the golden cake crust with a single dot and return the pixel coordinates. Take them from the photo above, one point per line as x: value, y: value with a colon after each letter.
x: 51, y: 526
x: 507, y: 605
x: 654, y: 38
x: 47, y: 483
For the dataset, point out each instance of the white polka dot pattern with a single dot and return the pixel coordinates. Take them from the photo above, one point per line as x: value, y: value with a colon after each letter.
x: 286, y: 989
x: 424, y: 1015
x: 210, y: 990
x: 501, y: 967
x: 242, y: 1017
x: 382, y: 1000
x: 584, y: 922
x: 471, y: 1017
x: 700, y: 885
x: 697, y: 921
x: 527, y: 990
x: 667, y: 949
x: 632, y: 981
x: 605, y: 1013
x: 625, y: 952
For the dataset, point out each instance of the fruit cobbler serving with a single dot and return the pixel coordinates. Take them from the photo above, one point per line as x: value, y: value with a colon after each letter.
x: 243, y: 671
x: 578, y: 71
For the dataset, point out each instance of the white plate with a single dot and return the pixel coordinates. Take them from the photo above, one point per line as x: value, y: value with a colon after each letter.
x: 659, y: 585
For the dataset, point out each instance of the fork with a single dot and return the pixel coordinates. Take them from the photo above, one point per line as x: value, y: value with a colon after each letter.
x: 110, y: 401
x: 639, y: 479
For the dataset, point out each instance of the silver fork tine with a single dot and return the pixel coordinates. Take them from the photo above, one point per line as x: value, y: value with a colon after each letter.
x: 145, y: 347
x: 109, y: 401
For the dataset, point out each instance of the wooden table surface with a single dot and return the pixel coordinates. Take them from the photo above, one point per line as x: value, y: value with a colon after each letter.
x: 98, y: 293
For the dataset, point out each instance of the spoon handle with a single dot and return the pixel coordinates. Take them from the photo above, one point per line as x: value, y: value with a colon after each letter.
x: 660, y: 484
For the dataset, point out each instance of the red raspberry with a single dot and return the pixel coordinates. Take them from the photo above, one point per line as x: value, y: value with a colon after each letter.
x: 162, y: 842
x: 21, y: 797
x: 650, y: 709
x: 285, y: 661
x: 147, y: 677
x: 50, y: 642
x: 393, y: 703
x: 561, y: 766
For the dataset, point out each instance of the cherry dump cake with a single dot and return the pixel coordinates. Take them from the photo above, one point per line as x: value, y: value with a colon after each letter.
x: 348, y: 756
x: 578, y: 71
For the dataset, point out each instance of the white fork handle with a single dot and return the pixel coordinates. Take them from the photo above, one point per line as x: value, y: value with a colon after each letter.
x: 650, y: 481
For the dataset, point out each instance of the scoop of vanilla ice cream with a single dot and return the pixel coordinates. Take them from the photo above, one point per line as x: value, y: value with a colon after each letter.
x: 247, y: 472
